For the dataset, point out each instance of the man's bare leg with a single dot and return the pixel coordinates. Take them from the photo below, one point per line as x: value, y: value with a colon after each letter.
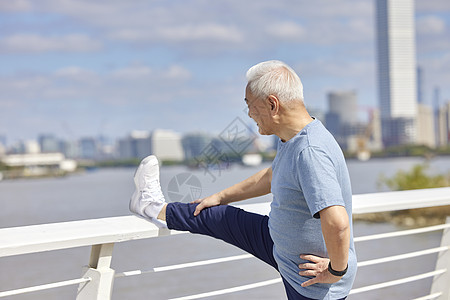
x: 162, y: 213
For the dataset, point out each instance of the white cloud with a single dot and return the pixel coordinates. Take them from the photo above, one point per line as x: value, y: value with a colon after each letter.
x: 24, y: 83
x: 132, y: 73
x: 142, y: 72
x: 73, y: 72
x: 336, y: 32
x: 75, y: 75
x: 35, y: 43
x: 436, y: 70
x: 244, y: 26
x: 181, y: 33
x: 201, y: 28
x: 432, y: 36
x: 15, y: 6
x: 435, y: 47
x: 177, y: 73
x: 197, y: 32
x: 430, y: 25
x: 432, y: 6
x: 6, y: 103
x: 340, y: 70
x: 136, y: 82
x: 289, y: 31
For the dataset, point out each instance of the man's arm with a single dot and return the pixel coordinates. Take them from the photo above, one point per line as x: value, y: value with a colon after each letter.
x: 257, y: 185
x: 336, y: 232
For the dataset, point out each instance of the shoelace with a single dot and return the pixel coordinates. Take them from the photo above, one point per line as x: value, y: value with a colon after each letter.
x: 152, y: 191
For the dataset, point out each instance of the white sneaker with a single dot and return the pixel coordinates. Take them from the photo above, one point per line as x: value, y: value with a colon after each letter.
x: 148, y: 200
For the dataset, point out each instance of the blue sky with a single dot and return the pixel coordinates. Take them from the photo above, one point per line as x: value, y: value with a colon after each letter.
x: 84, y: 68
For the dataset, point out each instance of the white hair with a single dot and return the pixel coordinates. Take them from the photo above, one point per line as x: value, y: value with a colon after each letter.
x: 275, y: 78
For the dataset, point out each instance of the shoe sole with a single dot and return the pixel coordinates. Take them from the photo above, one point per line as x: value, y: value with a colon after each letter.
x: 134, y: 201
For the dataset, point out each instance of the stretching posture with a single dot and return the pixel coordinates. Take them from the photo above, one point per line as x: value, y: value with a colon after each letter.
x: 308, y: 235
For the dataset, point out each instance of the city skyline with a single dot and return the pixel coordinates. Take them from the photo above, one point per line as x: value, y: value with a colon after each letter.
x: 77, y: 68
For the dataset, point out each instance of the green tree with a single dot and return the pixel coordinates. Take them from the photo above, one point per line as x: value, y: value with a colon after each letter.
x: 416, y: 178
x: 3, y: 166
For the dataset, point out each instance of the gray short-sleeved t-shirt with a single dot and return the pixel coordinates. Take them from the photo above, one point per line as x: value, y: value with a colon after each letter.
x: 309, y: 174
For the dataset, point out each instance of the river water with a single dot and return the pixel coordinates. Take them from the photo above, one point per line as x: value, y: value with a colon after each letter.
x: 105, y: 193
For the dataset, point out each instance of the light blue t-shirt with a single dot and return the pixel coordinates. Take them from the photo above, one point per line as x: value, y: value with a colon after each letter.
x: 309, y: 174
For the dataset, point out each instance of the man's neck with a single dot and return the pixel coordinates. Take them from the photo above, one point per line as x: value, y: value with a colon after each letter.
x: 292, y: 124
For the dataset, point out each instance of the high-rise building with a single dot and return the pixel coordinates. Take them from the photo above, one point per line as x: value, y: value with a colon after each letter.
x: 397, y: 73
x: 88, y: 148
x: 345, y: 105
x: 425, y: 126
x: 420, y: 98
x: 194, y: 144
x: 166, y: 145
x: 316, y: 113
x: 436, y: 107
x: 342, y: 116
x: 70, y: 149
x: 136, y: 145
x: 2, y: 145
x: 444, y: 125
x: 3, y: 140
x: 49, y: 143
x: 374, y: 130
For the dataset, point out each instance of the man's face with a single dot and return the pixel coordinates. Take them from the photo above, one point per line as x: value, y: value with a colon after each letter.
x: 259, y: 111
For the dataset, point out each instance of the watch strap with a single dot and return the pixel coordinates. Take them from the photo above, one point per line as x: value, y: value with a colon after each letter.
x: 337, y: 273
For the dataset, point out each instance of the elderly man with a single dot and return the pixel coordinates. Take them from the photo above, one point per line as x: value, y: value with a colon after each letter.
x: 307, y: 236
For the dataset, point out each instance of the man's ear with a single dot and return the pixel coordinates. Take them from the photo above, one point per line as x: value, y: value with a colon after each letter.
x: 274, y: 104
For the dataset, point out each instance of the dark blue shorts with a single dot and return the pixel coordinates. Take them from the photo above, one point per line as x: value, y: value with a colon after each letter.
x: 245, y: 230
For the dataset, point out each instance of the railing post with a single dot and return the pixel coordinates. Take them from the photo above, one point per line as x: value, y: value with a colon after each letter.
x: 102, y: 276
x: 441, y: 282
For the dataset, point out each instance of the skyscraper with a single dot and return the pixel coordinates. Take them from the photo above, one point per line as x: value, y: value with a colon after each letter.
x: 342, y: 109
x: 345, y: 105
x: 397, y: 73
x: 444, y: 125
x: 49, y: 143
x: 420, y: 98
x: 425, y: 126
x: 166, y: 145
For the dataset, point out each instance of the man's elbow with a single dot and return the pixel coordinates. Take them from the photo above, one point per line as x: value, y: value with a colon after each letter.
x: 342, y: 228
x: 336, y: 220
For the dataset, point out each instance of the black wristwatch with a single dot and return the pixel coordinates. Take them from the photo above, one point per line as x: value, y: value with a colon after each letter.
x: 337, y: 273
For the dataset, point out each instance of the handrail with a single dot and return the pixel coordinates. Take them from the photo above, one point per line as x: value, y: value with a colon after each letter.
x: 429, y: 297
x: 56, y: 236
x: 397, y: 282
x: 402, y: 256
x: 107, y: 231
x: 43, y: 287
x: 267, y: 282
x: 400, y: 233
x: 185, y: 265
x: 230, y: 290
x: 399, y: 200
x: 46, y: 237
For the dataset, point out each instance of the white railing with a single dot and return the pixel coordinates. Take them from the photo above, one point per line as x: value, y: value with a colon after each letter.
x: 98, y: 277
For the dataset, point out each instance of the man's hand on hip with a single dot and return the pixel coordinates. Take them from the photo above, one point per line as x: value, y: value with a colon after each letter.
x: 317, y: 267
